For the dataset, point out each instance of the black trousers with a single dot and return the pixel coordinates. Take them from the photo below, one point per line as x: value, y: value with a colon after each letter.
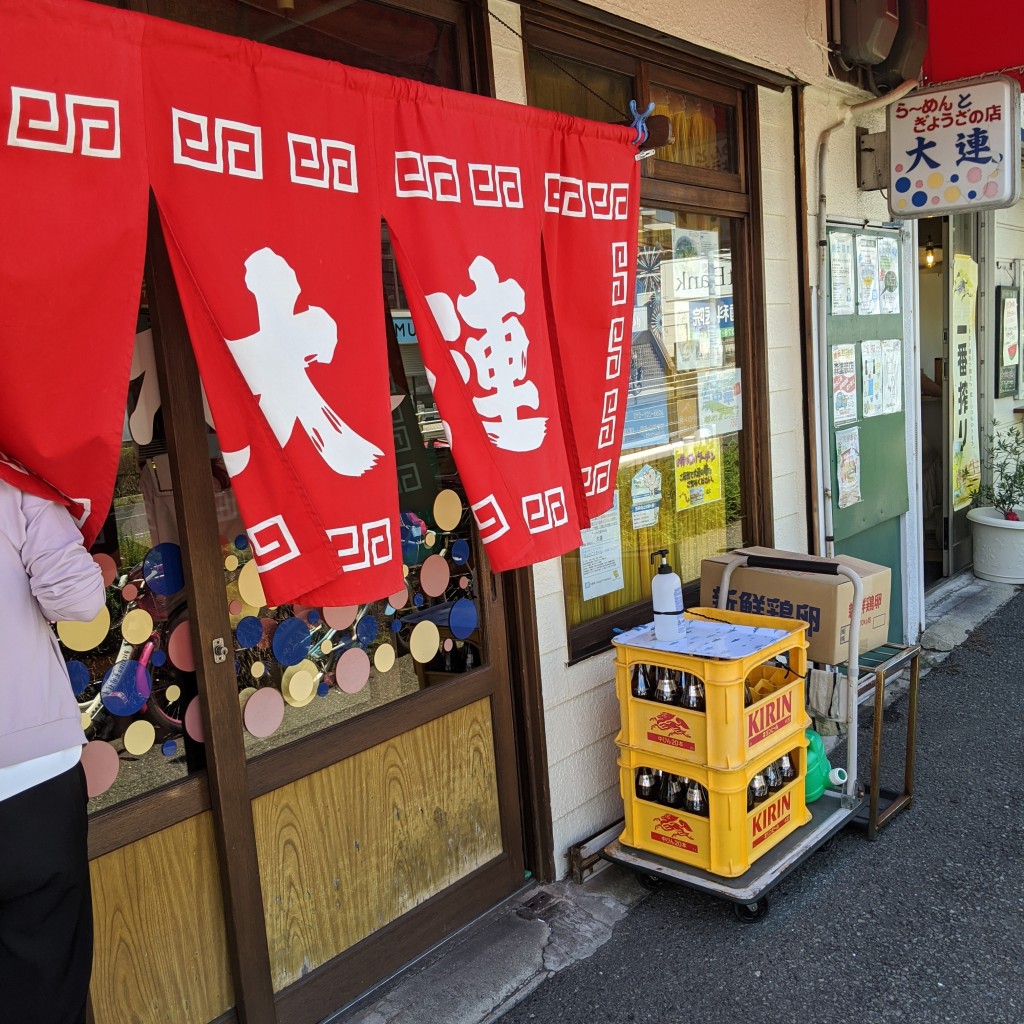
x: 45, y: 903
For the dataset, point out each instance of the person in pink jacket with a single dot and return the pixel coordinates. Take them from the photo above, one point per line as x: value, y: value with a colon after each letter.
x: 45, y: 901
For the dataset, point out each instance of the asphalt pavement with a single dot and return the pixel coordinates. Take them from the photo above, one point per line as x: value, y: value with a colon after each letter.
x: 924, y: 925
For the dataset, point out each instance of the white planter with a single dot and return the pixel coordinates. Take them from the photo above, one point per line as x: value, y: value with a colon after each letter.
x: 998, y: 546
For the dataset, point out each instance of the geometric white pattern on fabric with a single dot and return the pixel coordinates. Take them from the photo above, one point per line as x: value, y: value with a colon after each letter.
x: 86, y: 116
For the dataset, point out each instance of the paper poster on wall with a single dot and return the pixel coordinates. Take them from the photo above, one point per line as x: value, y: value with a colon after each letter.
x: 871, y: 378
x: 698, y: 473
x: 645, y: 497
x: 892, y: 375
x: 848, y: 466
x: 867, y: 274
x: 646, y: 420
x: 601, y: 555
x: 888, y: 274
x: 844, y: 383
x: 840, y: 248
x: 963, y: 381
x: 720, y: 400
x: 1011, y: 331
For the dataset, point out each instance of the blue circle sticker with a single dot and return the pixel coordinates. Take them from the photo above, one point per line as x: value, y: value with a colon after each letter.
x: 169, y: 748
x: 462, y: 618
x: 79, y: 676
x: 248, y: 632
x: 241, y: 542
x: 162, y: 569
x: 366, y: 630
x: 460, y: 552
x: 126, y: 688
x: 291, y: 641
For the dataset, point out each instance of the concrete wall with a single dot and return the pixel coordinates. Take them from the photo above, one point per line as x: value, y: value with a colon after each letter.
x: 581, y: 710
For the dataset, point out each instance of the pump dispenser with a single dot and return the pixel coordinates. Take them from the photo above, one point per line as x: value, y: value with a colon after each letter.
x: 667, y: 598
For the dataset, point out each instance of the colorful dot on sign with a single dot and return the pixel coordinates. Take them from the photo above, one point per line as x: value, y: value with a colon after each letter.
x: 972, y: 194
x: 901, y: 203
x: 991, y: 189
x: 919, y: 198
x: 952, y: 194
x: 935, y: 200
x: 169, y: 748
x: 974, y: 174
x: 899, y: 168
x: 902, y: 184
x: 935, y: 179
x: 954, y: 177
x: 919, y: 183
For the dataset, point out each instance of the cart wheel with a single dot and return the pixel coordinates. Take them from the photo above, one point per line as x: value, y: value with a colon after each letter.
x: 748, y: 913
x: 650, y: 882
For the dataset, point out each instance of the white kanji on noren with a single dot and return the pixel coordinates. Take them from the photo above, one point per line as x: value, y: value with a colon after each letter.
x: 498, y: 355
x: 274, y: 362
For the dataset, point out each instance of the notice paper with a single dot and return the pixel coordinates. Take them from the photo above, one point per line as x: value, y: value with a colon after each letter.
x: 848, y: 466
x: 705, y: 639
x: 867, y: 274
x: 888, y: 275
x: 840, y: 248
x: 844, y: 383
x: 871, y: 376
x: 601, y: 555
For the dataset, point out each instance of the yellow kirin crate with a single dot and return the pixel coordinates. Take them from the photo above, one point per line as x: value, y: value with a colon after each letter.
x: 731, y: 838
x: 727, y: 735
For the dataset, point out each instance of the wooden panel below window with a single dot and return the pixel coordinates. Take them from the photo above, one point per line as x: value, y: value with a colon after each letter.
x: 352, y: 847
x: 161, y: 948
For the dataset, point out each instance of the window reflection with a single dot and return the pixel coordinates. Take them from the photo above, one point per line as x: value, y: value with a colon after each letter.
x: 678, y: 485
x: 704, y: 131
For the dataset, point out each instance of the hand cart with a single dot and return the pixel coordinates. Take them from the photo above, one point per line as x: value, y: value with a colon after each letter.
x: 834, y: 809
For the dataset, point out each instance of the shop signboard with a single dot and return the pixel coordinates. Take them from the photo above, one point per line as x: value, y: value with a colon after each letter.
x: 955, y: 147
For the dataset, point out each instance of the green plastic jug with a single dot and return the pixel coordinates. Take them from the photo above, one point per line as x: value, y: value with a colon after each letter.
x: 820, y: 774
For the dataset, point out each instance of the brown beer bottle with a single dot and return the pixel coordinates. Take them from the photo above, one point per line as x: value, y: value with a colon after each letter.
x: 646, y: 784
x: 693, y: 693
x: 696, y: 799
x: 641, y: 686
x: 773, y: 776
x: 673, y: 790
x: 666, y: 690
x: 788, y: 769
x: 757, y: 791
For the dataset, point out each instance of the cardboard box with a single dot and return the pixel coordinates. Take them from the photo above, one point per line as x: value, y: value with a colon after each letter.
x: 823, y: 602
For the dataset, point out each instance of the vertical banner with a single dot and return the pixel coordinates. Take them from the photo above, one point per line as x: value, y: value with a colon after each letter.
x: 465, y: 206
x: 591, y: 207
x: 266, y: 185
x: 963, y: 381
x: 73, y: 195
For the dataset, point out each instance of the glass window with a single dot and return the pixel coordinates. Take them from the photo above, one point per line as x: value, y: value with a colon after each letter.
x: 572, y: 87
x: 678, y: 486
x: 132, y: 669
x: 704, y: 130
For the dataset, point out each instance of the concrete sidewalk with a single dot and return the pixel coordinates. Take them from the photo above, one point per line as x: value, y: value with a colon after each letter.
x: 925, y: 925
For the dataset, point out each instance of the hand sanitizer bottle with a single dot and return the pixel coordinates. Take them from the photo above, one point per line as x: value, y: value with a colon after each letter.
x: 667, y: 598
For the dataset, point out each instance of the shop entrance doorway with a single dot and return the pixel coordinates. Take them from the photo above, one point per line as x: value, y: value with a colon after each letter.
x: 948, y: 283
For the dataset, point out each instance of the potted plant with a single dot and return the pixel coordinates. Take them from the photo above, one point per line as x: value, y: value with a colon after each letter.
x: 998, y: 532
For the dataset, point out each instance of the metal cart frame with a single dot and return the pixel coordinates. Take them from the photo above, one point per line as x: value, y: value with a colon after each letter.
x: 833, y: 810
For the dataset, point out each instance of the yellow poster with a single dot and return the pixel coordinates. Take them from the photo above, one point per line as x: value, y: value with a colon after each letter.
x: 698, y: 473
x: 963, y: 379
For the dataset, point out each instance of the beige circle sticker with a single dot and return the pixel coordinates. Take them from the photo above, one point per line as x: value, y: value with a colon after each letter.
x: 136, y: 626
x: 231, y: 563
x: 257, y: 669
x: 298, y: 683
x: 447, y: 510
x: 384, y: 658
x: 172, y: 693
x: 250, y: 588
x: 84, y: 636
x: 139, y: 737
x: 424, y: 641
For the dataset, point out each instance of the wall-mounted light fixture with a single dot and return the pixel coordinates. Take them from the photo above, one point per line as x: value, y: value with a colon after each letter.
x: 929, y: 255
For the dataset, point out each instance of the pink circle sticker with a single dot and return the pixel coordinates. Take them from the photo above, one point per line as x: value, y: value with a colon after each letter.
x: 194, y: 721
x: 340, y: 618
x: 434, y: 576
x: 448, y: 645
x: 264, y: 711
x: 107, y: 567
x: 179, y: 647
x: 464, y: 582
x: 100, y: 762
x: 399, y: 599
x: 130, y: 592
x: 353, y: 670
x: 235, y: 607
